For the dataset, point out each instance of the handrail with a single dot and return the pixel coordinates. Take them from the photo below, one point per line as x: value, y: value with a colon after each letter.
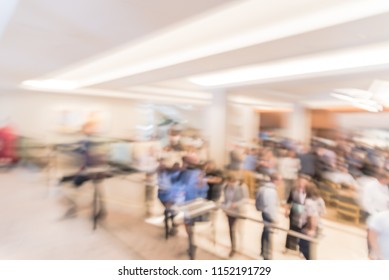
x: 272, y: 226
x: 195, y: 210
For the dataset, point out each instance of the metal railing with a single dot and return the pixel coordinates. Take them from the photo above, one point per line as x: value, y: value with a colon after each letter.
x: 201, y: 207
x: 273, y: 227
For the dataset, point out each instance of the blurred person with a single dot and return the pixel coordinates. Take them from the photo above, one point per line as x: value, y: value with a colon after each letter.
x: 191, y: 185
x: 329, y: 156
x: 235, y: 193
x: 150, y: 183
x: 167, y: 154
x: 268, y: 162
x: 166, y: 177
x: 310, y: 222
x: 288, y: 170
x: 307, y: 161
x: 174, y: 139
x: 371, y: 162
x: 355, y: 162
x: 267, y: 202
x: 378, y: 235
x: 171, y: 156
x: 375, y: 195
x: 294, y: 209
x: 214, y: 177
x: 236, y: 158
x: 8, y: 145
x: 197, y: 142
x: 249, y: 167
x: 341, y: 176
x: 192, y: 152
x: 288, y: 144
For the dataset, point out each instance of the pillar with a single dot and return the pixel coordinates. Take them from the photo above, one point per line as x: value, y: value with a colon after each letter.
x: 250, y: 124
x: 216, y: 122
x: 298, y: 124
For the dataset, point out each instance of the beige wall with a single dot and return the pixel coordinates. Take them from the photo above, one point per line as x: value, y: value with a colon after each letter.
x: 298, y: 124
x: 362, y: 120
x: 35, y: 114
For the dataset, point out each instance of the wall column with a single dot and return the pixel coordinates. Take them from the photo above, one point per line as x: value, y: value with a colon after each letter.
x: 298, y: 124
x: 216, y: 118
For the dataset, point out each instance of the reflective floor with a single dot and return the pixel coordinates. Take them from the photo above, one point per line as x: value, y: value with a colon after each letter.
x: 32, y: 227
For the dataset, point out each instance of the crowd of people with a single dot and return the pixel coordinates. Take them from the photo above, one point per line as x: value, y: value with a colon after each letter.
x: 276, y: 173
x: 284, y: 174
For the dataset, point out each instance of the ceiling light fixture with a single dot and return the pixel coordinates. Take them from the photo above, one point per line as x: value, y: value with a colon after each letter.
x: 303, y: 66
x: 258, y: 104
x: 152, y: 98
x: 372, y: 100
x: 172, y: 92
x: 375, y: 108
x: 355, y: 93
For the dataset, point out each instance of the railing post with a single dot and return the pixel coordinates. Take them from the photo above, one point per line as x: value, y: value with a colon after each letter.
x: 313, y: 250
x: 271, y: 231
x: 166, y: 220
x: 95, y: 202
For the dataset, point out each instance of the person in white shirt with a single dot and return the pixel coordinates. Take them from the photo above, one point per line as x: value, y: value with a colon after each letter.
x: 363, y: 181
x: 378, y: 235
x: 341, y: 177
x: 288, y: 168
x: 376, y: 194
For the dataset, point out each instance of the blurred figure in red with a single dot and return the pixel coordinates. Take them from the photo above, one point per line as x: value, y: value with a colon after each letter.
x: 8, y: 140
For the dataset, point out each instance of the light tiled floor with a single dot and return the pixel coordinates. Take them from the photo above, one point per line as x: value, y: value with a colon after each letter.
x: 31, y: 225
x: 31, y: 228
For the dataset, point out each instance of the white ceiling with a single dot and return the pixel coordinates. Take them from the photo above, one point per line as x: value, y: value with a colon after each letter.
x: 44, y: 36
x: 49, y: 39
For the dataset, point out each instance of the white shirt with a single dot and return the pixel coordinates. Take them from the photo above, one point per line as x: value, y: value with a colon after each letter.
x: 289, y: 167
x: 379, y: 223
x: 312, y: 208
x: 340, y: 178
x: 197, y: 142
x: 375, y: 196
x: 361, y: 183
x: 267, y: 200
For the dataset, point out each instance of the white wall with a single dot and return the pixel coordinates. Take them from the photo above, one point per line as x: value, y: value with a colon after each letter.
x: 363, y: 120
x: 216, y: 128
x: 298, y: 124
x: 35, y: 114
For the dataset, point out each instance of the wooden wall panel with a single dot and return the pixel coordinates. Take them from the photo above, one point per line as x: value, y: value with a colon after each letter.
x: 322, y: 119
x: 272, y: 120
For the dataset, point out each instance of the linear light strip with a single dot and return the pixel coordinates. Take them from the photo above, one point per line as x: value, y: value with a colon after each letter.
x: 327, y: 62
x: 124, y: 95
x: 172, y: 92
